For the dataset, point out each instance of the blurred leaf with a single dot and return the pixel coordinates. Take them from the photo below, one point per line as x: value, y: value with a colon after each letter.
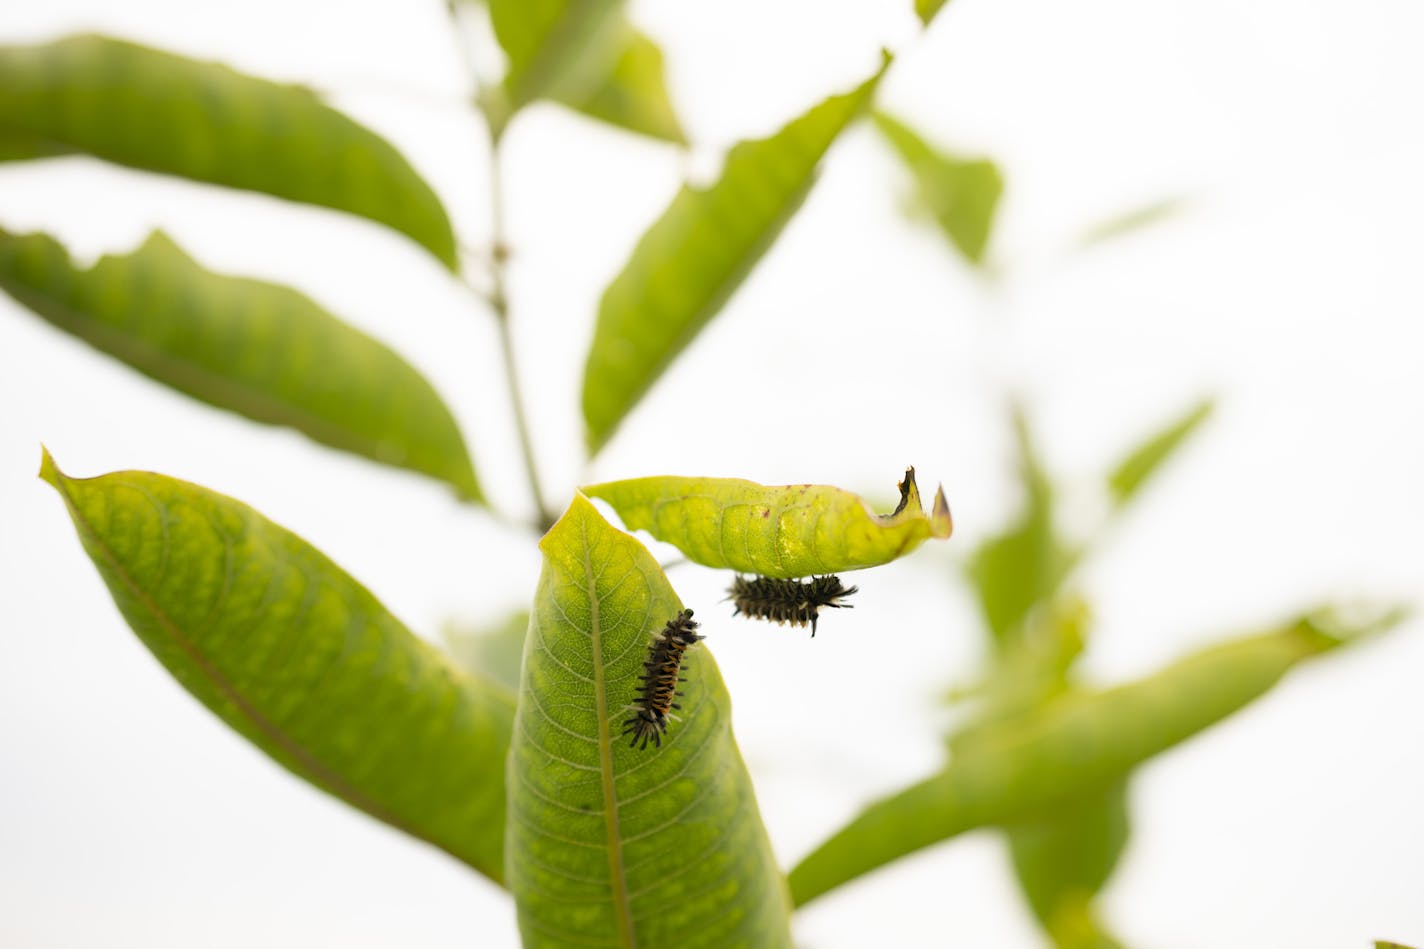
x: 961, y: 194
x: 1078, y: 745
x: 1382, y: 944
x: 1063, y: 859
x: 295, y: 655
x: 1031, y: 668
x: 259, y: 349
x: 149, y: 109
x: 16, y: 145
x: 612, y: 845
x: 1135, y: 220
x: 1021, y: 568
x: 555, y: 48
x: 633, y: 93
x: 691, y: 260
x: 926, y: 9
x: 1144, y: 460
x: 491, y: 654
x: 792, y: 531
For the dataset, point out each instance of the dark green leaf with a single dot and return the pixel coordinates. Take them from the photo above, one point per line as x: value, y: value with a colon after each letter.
x: 255, y: 348
x: 1143, y: 461
x: 295, y: 655
x: 1021, y: 568
x: 1081, y: 744
x: 633, y: 93
x: 617, y: 846
x: 149, y: 109
x: 961, y: 194
x: 691, y: 260
x: 1063, y: 859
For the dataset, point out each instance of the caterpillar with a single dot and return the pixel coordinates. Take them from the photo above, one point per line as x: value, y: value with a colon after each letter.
x: 788, y: 601
x: 655, y: 696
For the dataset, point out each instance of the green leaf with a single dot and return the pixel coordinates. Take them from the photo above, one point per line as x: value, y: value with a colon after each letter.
x: 792, y: 531
x: 1143, y: 461
x: 1063, y: 859
x: 961, y: 194
x: 612, y: 845
x: 491, y: 654
x: 1131, y: 222
x: 926, y: 9
x: 554, y: 48
x: 633, y: 93
x: 1022, y: 568
x: 691, y: 260
x: 1384, y: 944
x: 258, y: 349
x: 1081, y: 744
x: 149, y: 109
x: 295, y: 655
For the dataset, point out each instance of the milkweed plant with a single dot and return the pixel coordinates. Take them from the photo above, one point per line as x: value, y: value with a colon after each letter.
x: 520, y: 767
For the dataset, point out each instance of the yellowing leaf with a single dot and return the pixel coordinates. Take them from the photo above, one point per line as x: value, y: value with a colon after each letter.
x: 792, y: 531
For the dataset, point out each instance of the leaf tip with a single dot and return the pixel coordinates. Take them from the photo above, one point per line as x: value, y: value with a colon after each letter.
x: 941, y: 520
x: 49, y: 471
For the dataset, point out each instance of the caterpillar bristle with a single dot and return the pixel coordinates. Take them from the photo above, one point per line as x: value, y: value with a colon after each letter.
x: 655, y: 696
x: 796, y: 602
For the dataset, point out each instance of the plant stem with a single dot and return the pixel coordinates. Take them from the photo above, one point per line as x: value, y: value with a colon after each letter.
x: 499, y: 302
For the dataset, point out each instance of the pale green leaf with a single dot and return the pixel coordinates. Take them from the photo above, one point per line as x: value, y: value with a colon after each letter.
x: 961, y: 194
x: 150, y: 109
x: 617, y: 846
x: 259, y: 349
x: 1079, y: 744
x: 491, y: 654
x: 1132, y: 221
x: 1020, y: 569
x: 554, y: 48
x: 1144, y: 461
x: 926, y: 9
x: 295, y: 655
x: 632, y: 94
x: 1064, y: 858
x: 690, y: 261
x: 792, y: 531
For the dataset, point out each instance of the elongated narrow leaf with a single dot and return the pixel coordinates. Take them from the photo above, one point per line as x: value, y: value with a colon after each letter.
x: 1143, y: 462
x: 1020, y: 569
x: 295, y: 655
x: 150, y: 109
x: 259, y: 349
x: 961, y: 194
x: 633, y: 93
x: 611, y: 845
x: 1081, y: 744
x: 691, y: 260
x: 555, y: 48
x: 792, y: 531
x: 1132, y: 221
x: 1064, y: 858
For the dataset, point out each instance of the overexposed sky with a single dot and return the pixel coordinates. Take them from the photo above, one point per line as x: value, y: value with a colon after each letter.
x: 1288, y: 286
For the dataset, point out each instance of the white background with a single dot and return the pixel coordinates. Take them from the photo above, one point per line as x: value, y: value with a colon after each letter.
x: 1289, y: 287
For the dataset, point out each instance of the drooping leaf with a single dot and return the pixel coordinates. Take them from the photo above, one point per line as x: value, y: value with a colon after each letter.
x: 299, y: 658
x: 633, y: 93
x: 259, y: 349
x: 1018, y: 570
x: 1132, y: 221
x: 690, y: 261
x: 1081, y: 744
x: 555, y: 48
x: 791, y: 531
x: 1144, y: 461
x: 1064, y: 858
x: 612, y: 845
x: 150, y: 109
x: 961, y: 194
x: 926, y: 9
x: 491, y: 654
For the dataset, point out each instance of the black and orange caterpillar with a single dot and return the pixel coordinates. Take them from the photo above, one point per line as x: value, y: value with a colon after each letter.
x: 659, y: 688
x: 788, y: 601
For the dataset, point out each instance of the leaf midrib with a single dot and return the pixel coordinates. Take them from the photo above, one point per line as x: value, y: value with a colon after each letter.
x: 617, y: 879
x: 317, y: 770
